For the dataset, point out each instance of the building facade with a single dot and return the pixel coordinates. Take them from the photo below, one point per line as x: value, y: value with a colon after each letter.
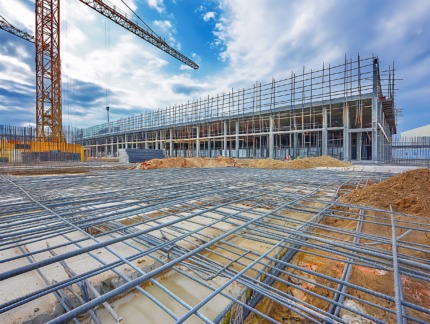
x: 345, y: 111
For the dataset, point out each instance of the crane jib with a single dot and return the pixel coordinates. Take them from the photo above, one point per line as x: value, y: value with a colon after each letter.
x: 119, y: 18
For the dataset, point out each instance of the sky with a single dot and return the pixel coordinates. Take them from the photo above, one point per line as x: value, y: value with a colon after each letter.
x: 235, y: 42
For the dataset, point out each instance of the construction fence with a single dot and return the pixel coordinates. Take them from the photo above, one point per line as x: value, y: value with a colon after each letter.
x: 20, y: 145
x: 410, y: 151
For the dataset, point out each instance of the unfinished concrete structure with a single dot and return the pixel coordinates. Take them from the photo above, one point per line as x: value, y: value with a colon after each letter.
x: 346, y: 111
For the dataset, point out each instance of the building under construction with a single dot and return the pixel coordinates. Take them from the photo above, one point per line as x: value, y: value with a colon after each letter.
x: 345, y: 111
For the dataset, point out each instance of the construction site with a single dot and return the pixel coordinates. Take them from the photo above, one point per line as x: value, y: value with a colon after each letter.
x: 277, y: 203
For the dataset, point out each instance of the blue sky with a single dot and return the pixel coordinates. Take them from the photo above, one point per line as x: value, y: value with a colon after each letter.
x: 235, y: 42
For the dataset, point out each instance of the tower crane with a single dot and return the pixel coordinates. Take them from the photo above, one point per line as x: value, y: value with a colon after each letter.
x: 48, y: 63
x: 7, y: 26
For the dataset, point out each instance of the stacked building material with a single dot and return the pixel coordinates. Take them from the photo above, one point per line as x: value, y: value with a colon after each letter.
x: 139, y: 155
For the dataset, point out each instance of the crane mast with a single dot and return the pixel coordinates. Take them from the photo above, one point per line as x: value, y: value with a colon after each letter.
x: 48, y: 71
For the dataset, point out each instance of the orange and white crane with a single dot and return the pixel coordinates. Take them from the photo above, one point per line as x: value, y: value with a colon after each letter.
x: 48, y: 62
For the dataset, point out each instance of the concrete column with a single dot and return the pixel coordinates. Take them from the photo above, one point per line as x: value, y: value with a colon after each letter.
x: 295, y: 142
x: 324, y: 133
x: 111, y: 146
x: 375, y: 108
x: 146, y: 141
x: 97, y: 147
x: 156, y: 140
x: 359, y: 136
x: 171, y: 143
x: 375, y: 132
x: 296, y: 136
x: 346, y: 137
x: 125, y: 141
x: 198, y: 141
x: 117, y: 144
x: 271, y: 139
x: 163, y: 140
x: 236, y: 145
x: 209, y: 142
x: 225, y: 139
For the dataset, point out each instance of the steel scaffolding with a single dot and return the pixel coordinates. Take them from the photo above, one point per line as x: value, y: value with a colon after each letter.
x: 346, y: 111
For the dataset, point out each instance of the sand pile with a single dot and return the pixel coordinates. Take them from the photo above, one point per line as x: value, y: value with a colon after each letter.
x: 179, y: 162
x: 408, y: 192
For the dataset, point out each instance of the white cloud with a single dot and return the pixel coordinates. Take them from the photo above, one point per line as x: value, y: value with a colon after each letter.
x: 163, y: 25
x: 271, y: 38
x: 185, y: 67
x: 157, y: 5
x: 19, y: 15
x: 14, y: 69
x: 403, y: 21
x: 209, y: 15
x: 166, y: 28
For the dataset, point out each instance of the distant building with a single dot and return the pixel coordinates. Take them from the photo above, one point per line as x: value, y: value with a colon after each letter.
x: 412, y: 146
x: 417, y: 132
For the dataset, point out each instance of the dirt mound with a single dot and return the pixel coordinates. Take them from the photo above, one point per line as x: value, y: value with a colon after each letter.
x: 306, y: 163
x: 179, y: 162
x: 408, y: 192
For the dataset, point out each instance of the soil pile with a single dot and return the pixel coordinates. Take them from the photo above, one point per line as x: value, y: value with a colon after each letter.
x: 306, y: 163
x: 179, y: 162
x: 408, y: 192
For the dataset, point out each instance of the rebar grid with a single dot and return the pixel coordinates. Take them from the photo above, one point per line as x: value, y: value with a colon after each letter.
x: 282, y: 238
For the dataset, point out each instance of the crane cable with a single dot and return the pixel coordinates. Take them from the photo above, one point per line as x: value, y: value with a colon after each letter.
x: 107, y: 48
x: 67, y: 87
x: 5, y: 19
